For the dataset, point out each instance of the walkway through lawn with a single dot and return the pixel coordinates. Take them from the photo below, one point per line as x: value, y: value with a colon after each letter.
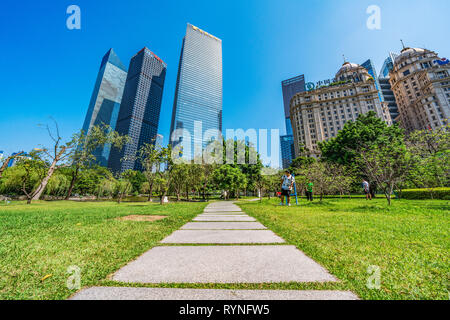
x: 221, y: 245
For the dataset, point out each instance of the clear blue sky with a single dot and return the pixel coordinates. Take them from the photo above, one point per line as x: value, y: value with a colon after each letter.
x: 48, y: 70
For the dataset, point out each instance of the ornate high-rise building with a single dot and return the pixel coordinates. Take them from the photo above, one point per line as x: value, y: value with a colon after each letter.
x: 420, y: 81
x: 198, y: 93
x: 140, y: 108
x: 320, y: 113
x: 106, y: 98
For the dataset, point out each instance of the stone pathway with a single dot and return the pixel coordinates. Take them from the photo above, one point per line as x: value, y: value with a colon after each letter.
x: 206, y: 251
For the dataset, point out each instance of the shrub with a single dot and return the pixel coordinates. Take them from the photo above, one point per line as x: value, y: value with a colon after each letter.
x: 421, y: 194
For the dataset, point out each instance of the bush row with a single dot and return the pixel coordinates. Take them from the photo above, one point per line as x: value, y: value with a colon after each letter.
x: 420, y: 194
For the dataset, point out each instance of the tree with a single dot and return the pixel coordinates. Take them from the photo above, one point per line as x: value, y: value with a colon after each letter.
x: 387, y: 164
x: 33, y: 170
x: 123, y: 186
x: 301, y: 162
x: 151, y: 158
x: 83, y: 157
x: 59, y: 153
x: 6, y: 162
x: 368, y: 130
x: 230, y: 179
x: 179, y: 177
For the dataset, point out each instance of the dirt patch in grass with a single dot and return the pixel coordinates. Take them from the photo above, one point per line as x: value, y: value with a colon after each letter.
x: 141, y: 218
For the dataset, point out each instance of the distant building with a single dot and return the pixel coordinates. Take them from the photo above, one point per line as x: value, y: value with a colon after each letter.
x: 385, y: 85
x: 319, y: 114
x: 140, y: 108
x: 198, y: 93
x: 370, y: 67
x: 289, y: 87
x: 420, y: 81
x: 13, y: 161
x: 106, y: 98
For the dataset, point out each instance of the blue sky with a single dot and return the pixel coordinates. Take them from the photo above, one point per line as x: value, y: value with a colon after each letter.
x: 48, y: 70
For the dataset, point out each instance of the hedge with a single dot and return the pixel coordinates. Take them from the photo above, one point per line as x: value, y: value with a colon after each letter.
x: 422, y: 194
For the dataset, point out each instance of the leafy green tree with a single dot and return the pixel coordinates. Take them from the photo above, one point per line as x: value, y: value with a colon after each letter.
x: 32, y: 170
x: 230, y: 179
x: 179, y: 178
x: 367, y: 131
x: 136, y: 179
x: 82, y: 157
x: 7, y: 160
x: 301, y: 162
x: 151, y: 158
x: 122, y: 188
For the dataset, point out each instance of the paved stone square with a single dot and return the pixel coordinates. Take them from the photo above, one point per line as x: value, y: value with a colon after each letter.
x: 223, y: 237
x: 223, y: 226
x: 124, y: 293
x: 223, y: 264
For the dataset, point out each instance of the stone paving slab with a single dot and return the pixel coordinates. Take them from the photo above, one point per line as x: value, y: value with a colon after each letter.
x: 223, y: 226
x: 223, y: 264
x: 123, y: 293
x: 222, y: 210
x: 232, y: 213
x: 224, y: 218
x: 222, y: 215
x: 222, y: 237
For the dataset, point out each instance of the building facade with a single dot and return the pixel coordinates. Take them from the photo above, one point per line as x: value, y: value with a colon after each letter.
x: 385, y: 85
x: 420, y: 81
x: 319, y: 114
x: 106, y: 98
x: 289, y: 88
x: 140, y: 108
x: 198, y: 93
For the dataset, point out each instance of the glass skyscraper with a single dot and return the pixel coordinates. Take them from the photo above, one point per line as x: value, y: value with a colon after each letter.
x: 198, y: 93
x: 140, y: 108
x: 370, y: 67
x: 106, y: 98
x: 289, y: 87
x: 388, y: 94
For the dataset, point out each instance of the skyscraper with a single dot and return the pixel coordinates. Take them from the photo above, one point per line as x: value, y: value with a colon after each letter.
x: 198, y: 93
x: 140, y: 108
x: 105, y: 101
x: 370, y: 67
x: 388, y: 95
x: 289, y: 87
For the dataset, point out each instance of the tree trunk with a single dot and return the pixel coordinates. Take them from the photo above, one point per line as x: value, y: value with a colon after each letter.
x: 72, y: 184
x: 40, y: 189
x: 150, y: 193
x: 187, y: 193
x: 119, y: 199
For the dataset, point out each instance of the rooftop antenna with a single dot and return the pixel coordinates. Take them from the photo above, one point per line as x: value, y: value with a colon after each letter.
x: 402, y: 44
x: 345, y: 60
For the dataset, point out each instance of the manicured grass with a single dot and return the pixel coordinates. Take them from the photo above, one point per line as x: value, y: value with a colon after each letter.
x: 46, y: 238
x: 409, y: 241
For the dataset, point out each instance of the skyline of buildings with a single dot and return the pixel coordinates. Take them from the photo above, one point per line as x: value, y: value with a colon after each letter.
x: 198, y: 92
x: 140, y: 108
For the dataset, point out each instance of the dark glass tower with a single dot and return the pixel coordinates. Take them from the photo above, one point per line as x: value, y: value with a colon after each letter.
x: 370, y: 67
x: 198, y: 93
x: 106, y: 98
x: 140, y: 108
x: 290, y: 87
x: 388, y: 94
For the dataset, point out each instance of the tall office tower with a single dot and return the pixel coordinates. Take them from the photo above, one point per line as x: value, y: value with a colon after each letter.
x: 140, y: 108
x: 319, y: 114
x: 370, y: 67
x: 105, y: 101
x: 289, y: 87
x: 420, y: 81
x: 386, y: 89
x: 198, y: 93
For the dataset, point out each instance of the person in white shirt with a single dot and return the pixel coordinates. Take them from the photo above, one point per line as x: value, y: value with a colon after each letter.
x: 366, y: 187
x: 287, y: 183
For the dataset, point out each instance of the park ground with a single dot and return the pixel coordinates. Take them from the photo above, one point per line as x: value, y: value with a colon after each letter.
x: 408, y: 242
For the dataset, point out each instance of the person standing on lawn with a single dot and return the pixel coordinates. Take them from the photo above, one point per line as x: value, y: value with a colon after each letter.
x: 309, y: 190
x: 287, y: 183
x: 366, y: 187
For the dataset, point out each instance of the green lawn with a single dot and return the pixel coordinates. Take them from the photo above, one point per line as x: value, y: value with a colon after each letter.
x: 409, y: 241
x: 47, y: 237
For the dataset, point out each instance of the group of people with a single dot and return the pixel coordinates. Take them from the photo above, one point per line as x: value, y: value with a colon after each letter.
x: 288, y: 181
